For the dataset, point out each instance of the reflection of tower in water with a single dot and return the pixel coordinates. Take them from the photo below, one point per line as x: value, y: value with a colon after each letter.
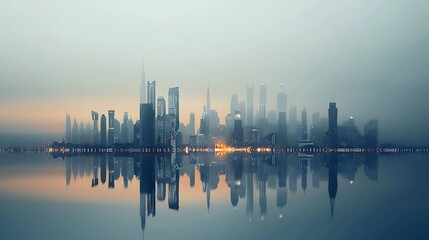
x: 263, y: 175
x: 332, y: 164
x: 96, y: 161
x: 281, y: 186
x: 304, y: 165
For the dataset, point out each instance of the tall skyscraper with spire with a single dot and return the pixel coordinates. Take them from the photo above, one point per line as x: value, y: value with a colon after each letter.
x: 143, y: 86
x: 208, y: 100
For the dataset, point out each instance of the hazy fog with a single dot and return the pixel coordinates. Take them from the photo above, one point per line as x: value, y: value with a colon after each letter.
x: 371, y: 56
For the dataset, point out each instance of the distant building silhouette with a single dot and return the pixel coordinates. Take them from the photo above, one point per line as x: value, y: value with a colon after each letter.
x: 143, y: 86
x: 75, y: 132
x: 103, y: 126
x: 111, y: 131
x: 282, y: 130
x: 303, y: 127
x: 96, y: 134
x: 371, y: 134
x: 332, y: 133
x: 192, y: 123
x: 68, y: 129
x: 281, y: 99
x: 234, y: 104
x: 249, y: 111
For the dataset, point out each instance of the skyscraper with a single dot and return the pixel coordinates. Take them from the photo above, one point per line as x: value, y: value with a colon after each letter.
x: 173, y: 105
x: 237, y: 139
x: 75, y: 132
x: 242, y: 109
x: 208, y: 100
x: 103, y: 134
x: 81, y: 133
x: 160, y: 106
x: 192, y: 123
x: 147, y: 125
x: 304, y: 128
x: 111, y: 132
x: 124, y: 131
x: 151, y: 93
x: 143, y: 86
x: 333, y: 125
x: 68, y: 129
x: 234, y: 104
x: 95, y: 127
x: 282, y: 130
x: 371, y: 134
x: 249, y: 112
x: 263, y: 101
x: 281, y: 99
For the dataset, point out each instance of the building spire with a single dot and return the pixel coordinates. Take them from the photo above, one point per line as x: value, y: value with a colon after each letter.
x: 208, y: 98
x: 142, y: 85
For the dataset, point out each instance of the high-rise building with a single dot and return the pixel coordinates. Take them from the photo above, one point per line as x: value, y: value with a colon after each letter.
x: 147, y: 125
x: 333, y: 125
x: 160, y: 106
x: 249, y: 112
x: 192, y: 123
x: 68, y: 129
x: 370, y: 133
x: 81, y: 133
x: 237, y: 139
x: 173, y: 105
x: 143, y: 86
x: 164, y: 126
x: 304, y: 127
x: 242, y: 109
x: 263, y: 101
x: 151, y: 93
x: 234, y: 104
x: 137, y: 128
x: 282, y: 130
x: 124, y: 131
x: 75, y: 132
x: 111, y: 132
x: 281, y: 99
x: 103, y: 126
x: 96, y: 139
x: 208, y: 100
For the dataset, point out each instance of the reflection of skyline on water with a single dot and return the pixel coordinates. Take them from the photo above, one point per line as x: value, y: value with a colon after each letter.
x: 247, y: 177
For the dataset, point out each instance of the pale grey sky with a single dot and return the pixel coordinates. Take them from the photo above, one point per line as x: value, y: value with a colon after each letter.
x: 371, y: 56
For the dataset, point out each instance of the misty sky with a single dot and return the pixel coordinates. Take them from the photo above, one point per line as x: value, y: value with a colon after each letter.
x: 59, y: 57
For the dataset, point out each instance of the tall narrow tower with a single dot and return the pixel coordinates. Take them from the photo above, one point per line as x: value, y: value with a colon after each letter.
x: 143, y: 86
x: 263, y: 101
x: 249, y: 105
x: 208, y: 100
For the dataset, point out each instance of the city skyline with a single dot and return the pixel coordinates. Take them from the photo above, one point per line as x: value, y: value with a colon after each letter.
x: 75, y: 66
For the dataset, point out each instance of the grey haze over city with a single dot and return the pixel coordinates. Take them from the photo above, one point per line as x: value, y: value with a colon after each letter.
x: 60, y: 57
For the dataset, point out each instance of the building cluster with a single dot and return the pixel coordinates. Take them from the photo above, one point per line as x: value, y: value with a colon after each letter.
x: 272, y: 128
x: 102, y: 132
x: 159, y: 125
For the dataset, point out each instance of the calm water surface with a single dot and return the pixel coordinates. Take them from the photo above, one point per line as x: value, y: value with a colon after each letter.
x: 213, y: 197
